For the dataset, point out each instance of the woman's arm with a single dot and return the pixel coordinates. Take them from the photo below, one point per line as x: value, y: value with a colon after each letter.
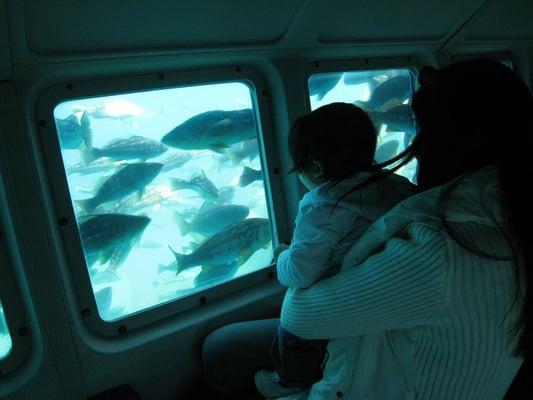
x: 400, y: 285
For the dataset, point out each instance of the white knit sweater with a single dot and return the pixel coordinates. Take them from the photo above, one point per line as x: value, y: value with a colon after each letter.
x: 413, y: 314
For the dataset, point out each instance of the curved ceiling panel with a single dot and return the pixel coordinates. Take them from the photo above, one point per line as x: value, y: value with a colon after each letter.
x: 60, y: 27
x: 395, y: 21
x: 503, y: 20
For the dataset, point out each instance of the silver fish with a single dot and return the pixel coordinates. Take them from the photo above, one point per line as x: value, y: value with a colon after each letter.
x: 215, y: 130
x: 133, y: 148
x: 234, y: 244
x: 129, y: 179
x: 393, y: 91
x: 249, y: 175
x: 322, y: 84
x: 199, y: 183
x: 99, y: 166
x: 175, y: 160
x: 102, y: 233
x: 74, y: 132
x: 212, y: 221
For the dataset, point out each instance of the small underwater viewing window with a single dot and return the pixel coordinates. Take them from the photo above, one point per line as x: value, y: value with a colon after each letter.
x: 6, y: 344
x: 168, y: 191
x: 385, y: 95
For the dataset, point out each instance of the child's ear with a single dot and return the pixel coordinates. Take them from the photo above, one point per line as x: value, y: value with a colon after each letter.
x: 316, y: 169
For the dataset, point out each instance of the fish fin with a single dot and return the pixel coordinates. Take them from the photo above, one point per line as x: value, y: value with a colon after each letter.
x: 183, y: 225
x: 180, y: 261
x: 86, y: 154
x: 247, y: 176
x: 90, y: 259
x: 244, y: 255
x: 87, y: 205
x: 105, y: 255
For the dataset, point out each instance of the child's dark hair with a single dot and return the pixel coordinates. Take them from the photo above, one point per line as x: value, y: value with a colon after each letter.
x: 340, y: 136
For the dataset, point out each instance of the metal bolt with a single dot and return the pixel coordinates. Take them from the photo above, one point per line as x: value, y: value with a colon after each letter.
x: 23, y: 331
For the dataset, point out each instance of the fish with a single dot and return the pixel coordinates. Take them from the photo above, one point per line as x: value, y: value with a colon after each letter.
x: 155, y: 195
x: 74, y: 131
x: 322, y: 84
x: 235, y: 243
x: 225, y: 195
x: 199, y: 183
x: 249, y: 175
x: 386, y: 151
x: 102, y: 233
x: 209, y: 276
x: 248, y: 149
x: 360, y: 77
x: 212, y: 221
x: 120, y: 253
x: 399, y: 118
x: 129, y: 179
x: 391, y: 92
x: 112, y: 109
x: 175, y: 160
x: 215, y: 130
x: 103, y: 299
x: 133, y: 148
x: 99, y: 166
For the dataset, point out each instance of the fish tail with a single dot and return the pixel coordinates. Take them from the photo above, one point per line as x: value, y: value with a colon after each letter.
x: 176, y: 184
x: 183, y: 225
x: 88, y: 154
x: 246, y: 177
x: 85, y: 123
x: 180, y: 261
x: 87, y: 204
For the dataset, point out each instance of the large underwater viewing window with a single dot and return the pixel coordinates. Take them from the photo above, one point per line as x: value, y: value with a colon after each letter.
x: 385, y: 94
x: 5, y: 338
x: 168, y: 191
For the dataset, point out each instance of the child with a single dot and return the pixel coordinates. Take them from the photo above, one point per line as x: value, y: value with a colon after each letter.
x: 332, y: 149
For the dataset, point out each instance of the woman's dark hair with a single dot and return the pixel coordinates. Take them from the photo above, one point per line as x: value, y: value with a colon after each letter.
x: 470, y: 115
x: 340, y: 136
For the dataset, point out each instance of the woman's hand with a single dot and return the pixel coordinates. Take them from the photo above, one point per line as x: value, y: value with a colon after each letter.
x: 278, y: 250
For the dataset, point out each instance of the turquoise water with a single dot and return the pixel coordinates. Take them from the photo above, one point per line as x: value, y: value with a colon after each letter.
x: 5, y: 338
x: 148, y: 275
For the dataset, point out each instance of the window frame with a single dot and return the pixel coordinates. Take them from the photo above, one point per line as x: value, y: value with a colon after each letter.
x: 10, y: 293
x: 411, y: 63
x: 65, y: 222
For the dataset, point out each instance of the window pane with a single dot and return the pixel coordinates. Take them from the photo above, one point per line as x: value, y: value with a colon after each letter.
x: 168, y: 191
x: 385, y: 95
x: 5, y: 337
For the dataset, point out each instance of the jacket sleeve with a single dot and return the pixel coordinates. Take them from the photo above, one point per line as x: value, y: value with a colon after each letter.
x: 398, y: 286
x: 317, y: 232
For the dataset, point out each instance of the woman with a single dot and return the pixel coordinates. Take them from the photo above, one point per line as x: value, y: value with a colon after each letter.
x: 432, y: 301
